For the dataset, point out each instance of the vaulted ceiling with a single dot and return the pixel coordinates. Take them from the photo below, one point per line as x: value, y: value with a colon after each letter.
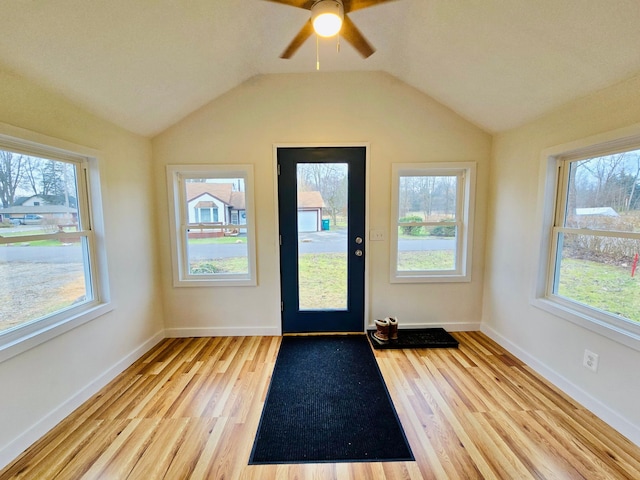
x: 145, y: 64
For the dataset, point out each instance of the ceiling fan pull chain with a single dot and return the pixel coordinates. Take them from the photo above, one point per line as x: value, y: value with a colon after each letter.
x: 317, y: 54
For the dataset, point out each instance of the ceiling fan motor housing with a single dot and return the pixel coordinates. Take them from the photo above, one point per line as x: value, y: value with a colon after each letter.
x: 327, y: 16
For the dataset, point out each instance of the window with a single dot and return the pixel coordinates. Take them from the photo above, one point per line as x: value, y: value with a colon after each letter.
x: 209, y: 246
x: 49, y: 256
x: 432, y: 218
x: 593, y: 234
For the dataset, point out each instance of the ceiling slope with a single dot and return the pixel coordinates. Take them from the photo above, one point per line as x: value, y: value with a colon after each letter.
x: 146, y: 64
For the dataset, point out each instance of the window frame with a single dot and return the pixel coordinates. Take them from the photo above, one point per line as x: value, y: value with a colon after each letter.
x: 553, y: 183
x: 176, y: 175
x: 31, y: 334
x: 465, y: 208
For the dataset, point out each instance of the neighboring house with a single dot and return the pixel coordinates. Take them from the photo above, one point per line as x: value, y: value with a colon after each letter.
x: 55, y: 209
x: 220, y: 203
x: 599, y: 217
x: 310, y: 205
x: 215, y: 203
x: 604, y: 211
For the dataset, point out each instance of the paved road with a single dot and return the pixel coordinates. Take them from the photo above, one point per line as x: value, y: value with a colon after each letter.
x: 320, y: 242
x: 62, y: 254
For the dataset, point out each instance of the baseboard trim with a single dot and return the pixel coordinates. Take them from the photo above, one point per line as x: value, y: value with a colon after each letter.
x: 606, y: 414
x: 223, y: 332
x: 13, y: 449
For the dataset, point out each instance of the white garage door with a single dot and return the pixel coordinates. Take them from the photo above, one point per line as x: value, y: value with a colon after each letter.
x: 307, y: 221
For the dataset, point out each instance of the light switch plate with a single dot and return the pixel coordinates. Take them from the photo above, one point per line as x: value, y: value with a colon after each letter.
x: 376, y: 234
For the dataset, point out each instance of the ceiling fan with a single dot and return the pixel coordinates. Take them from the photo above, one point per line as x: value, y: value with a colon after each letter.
x: 335, y: 13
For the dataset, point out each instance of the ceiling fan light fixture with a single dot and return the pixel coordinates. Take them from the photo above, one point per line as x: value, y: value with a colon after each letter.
x: 327, y: 16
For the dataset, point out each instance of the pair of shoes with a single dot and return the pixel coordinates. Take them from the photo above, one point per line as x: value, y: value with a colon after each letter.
x: 393, y: 327
x: 386, y: 329
x: 382, y: 330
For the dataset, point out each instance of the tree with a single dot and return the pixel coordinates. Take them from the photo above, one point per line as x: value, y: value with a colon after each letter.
x: 448, y: 193
x: 11, y: 172
x: 330, y: 179
x: 52, y: 179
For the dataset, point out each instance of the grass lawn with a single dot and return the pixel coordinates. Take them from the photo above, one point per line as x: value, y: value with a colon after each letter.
x: 220, y: 265
x: 323, y: 280
x: 426, y: 260
x: 607, y: 287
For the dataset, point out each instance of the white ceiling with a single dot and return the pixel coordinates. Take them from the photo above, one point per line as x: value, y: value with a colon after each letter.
x: 145, y: 64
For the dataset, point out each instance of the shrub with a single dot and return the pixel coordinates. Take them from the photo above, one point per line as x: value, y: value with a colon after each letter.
x: 408, y: 229
x: 444, y: 231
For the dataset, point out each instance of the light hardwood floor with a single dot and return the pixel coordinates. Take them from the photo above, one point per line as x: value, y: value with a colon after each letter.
x: 190, y: 409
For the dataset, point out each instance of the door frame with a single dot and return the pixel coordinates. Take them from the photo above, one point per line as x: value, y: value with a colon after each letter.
x: 367, y: 147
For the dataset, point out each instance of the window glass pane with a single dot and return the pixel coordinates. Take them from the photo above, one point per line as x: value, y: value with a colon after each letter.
x: 221, y: 251
x: 427, y: 198
x: 603, y: 193
x: 214, y: 199
x: 599, y: 272
x: 214, y: 243
x: 322, y: 236
x: 429, y: 248
x: 40, y: 279
x: 37, y: 195
x: 217, y: 252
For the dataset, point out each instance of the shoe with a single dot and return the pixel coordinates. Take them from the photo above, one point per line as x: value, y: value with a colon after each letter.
x: 393, y: 327
x: 382, y: 332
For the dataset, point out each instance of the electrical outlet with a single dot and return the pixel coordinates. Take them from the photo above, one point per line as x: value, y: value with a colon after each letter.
x: 590, y: 360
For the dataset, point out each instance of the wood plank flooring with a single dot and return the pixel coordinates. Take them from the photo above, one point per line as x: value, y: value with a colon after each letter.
x: 189, y: 409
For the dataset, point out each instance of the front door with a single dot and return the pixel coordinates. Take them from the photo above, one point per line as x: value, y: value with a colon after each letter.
x: 321, y: 198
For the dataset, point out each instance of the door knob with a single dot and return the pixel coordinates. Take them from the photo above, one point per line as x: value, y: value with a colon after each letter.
x: 358, y: 240
x: 358, y: 253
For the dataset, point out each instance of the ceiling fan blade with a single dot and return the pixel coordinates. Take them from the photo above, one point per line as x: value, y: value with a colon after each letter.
x: 304, y: 33
x: 352, y: 35
x: 353, y: 5
x: 306, y: 4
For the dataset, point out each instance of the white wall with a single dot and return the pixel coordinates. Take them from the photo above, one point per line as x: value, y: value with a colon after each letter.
x: 554, y: 346
x: 42, y: 385
x: 242, y: 126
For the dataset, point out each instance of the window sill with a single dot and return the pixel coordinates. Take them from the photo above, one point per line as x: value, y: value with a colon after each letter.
x: 430, y: 279
x: 223, y: 282
x: 23, y: 339
x: 627, y: 334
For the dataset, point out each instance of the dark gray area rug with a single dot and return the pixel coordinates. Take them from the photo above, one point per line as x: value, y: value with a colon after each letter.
x: 327, y: 402
x: 417, y: 338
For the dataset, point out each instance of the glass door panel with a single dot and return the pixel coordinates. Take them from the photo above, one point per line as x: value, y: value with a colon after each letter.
x: 322, y: 194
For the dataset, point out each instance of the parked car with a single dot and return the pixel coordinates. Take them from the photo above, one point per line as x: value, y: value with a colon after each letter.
x: 28, y: 219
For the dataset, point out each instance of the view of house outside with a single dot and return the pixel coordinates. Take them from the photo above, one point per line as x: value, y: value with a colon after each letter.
x: 322, y: 257
x: 597, y: 234
x: 427, y: 209
x: 43, y: 264
x: 217, y: 234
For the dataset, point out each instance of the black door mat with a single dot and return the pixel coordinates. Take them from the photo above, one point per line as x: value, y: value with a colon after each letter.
x: 327, y: 402
x: 416, y: 338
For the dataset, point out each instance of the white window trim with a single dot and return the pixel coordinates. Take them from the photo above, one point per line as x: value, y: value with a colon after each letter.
x: 465, y: 204
x: 177, y: 207
x: 23, y: 338
x: 610, y: 326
